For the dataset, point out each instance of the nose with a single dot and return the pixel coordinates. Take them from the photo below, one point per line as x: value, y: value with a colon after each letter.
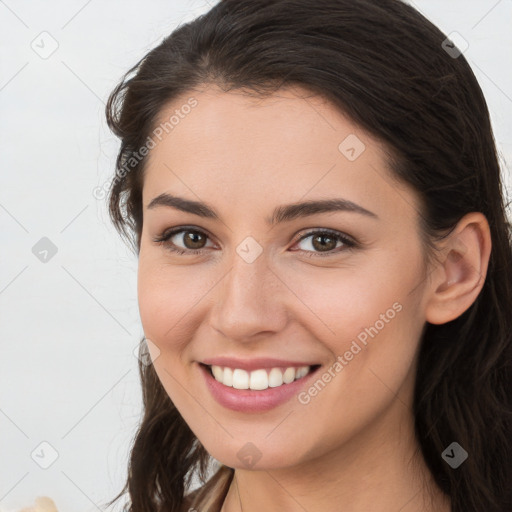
x: 249, y: 301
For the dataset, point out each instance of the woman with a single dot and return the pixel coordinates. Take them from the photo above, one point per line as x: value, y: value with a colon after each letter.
x: 325, y: 265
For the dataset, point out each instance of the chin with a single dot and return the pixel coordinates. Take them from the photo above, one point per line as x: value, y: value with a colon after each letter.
x: 257, y: 455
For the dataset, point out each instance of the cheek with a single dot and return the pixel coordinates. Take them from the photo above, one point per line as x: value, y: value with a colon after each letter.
x: 340, y: 303
x: 373, y: 351
x: 368, y: 317
x: 168, y: 299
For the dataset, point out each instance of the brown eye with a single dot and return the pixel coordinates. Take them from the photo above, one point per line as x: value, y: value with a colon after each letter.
x: 183, y: 240
x: 193, y: 239
x: 325, y: 241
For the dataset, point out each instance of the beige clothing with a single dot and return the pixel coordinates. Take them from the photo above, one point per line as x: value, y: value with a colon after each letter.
x: 43, y: 504
x: 208, y: 498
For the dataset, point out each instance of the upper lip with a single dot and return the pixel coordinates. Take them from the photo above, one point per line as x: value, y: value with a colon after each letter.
x: 254, y: 364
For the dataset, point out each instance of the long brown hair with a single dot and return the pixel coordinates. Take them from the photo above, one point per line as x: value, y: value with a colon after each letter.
x: 392, y: 72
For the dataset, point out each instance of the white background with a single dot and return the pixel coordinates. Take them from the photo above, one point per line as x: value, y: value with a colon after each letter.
x: 68, y: 327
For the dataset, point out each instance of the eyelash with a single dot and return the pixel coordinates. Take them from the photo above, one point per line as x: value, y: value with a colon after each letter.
x: 167, y: 235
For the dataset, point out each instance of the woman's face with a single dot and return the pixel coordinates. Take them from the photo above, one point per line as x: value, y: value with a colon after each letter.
x: 262, y: 284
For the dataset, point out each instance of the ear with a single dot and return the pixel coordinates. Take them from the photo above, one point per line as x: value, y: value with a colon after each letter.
x: 460, y: 274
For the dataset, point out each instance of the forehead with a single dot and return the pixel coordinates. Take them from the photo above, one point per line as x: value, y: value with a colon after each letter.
x: 236, y: 149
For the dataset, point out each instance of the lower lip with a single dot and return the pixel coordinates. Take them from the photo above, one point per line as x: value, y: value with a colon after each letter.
x: 248, y: 400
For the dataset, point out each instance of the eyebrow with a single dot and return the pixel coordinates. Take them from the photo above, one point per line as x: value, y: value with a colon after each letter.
x: 283, y: 213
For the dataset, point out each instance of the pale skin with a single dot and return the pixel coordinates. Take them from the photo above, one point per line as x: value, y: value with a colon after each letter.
x: 352, y: 446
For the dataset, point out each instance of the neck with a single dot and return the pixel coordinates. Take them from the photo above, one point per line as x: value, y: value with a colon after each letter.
x: 380, y: 470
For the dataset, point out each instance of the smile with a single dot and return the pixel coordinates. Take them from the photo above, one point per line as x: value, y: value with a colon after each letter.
x: 258, y: 379
x: 259, y: 389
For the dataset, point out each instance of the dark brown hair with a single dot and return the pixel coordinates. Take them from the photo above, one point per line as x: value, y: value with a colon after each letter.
x: 386, y: 67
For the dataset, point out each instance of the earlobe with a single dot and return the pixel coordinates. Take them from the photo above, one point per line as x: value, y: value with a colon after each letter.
x: 460, y: 275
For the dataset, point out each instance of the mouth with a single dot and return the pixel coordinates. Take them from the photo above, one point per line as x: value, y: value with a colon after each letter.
x: 258, y: 379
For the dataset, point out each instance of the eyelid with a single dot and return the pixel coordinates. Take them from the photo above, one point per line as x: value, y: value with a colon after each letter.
x: 347, y: 240
x: 166, y: 234
x: 305, y: 233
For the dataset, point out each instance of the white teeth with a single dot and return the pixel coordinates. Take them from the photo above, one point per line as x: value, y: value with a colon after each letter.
x: 301, y: 372
x: 240, y: 379
x: 275, y: 378
x: 227, y: 377
x: 289, y: 375
x: 258, y: 379
x: 218, y: 373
